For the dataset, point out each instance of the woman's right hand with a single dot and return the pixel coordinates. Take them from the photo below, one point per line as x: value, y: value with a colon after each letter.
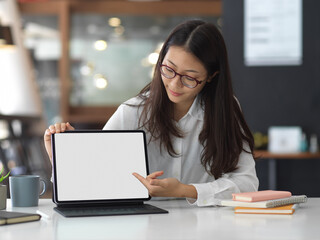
x: 56, y: 128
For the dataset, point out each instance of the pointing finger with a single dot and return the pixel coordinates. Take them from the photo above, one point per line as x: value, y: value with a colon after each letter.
x: 141, y: 179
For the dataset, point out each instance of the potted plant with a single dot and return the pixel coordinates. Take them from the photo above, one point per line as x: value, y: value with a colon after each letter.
x: 3, y: 191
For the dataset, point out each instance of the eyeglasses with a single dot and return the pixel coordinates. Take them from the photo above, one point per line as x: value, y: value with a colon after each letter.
x: 187, y: 81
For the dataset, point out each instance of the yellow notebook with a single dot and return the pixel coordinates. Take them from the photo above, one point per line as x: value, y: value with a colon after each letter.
x: 286, y: 209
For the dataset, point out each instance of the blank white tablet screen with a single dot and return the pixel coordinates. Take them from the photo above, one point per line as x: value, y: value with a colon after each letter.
x: 99, y: 165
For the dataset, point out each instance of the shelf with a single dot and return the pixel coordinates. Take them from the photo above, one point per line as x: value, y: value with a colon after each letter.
x: 304, y: 155
x: 125, y: 7
x: 20, y: 117
x: 91, y: 114
x: 149, y: 8
x: 64, y: 9
x: 40, y: 8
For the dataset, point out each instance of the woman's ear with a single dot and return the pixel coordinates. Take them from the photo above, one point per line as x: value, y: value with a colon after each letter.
x: 212, y: 76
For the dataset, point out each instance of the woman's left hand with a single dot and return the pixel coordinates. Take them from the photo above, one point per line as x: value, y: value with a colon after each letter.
x: 167, y: 187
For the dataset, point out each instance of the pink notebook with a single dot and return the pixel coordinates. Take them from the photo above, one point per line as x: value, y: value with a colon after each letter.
x: 260, y: 195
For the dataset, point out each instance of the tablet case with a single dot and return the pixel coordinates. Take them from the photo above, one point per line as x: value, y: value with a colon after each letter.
x: 88, y: 143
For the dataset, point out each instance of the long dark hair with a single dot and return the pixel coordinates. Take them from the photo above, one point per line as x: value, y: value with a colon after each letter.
x: 224, y: 131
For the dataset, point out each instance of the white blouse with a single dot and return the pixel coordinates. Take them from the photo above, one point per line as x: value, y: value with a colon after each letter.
x: 187, y: 167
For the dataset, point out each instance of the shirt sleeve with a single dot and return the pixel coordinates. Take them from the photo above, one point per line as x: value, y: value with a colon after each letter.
x: 243, y: 179
x: 125, y: 118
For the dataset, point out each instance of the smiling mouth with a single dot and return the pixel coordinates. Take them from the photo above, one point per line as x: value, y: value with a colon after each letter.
x: 175, y: 93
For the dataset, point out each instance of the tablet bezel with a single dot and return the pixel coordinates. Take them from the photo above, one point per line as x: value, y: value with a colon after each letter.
x: 94, y: 202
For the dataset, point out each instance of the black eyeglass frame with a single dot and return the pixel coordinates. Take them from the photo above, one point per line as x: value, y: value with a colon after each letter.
x: 180, y: 75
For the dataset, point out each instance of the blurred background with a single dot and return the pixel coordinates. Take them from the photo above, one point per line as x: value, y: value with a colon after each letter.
x: 77, y: 60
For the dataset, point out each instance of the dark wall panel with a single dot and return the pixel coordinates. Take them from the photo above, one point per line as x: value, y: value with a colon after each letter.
x: 279, y: 95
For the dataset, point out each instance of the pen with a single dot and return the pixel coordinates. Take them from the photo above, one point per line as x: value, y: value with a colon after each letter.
x: 43, y: 215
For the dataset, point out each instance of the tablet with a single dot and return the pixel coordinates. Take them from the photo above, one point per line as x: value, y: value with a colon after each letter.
x: 96, y: 166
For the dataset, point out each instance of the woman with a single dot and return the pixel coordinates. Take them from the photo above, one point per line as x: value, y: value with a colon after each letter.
x: 199, y: 144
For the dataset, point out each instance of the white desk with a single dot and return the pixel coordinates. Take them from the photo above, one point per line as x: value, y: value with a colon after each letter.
x: 182, y: 222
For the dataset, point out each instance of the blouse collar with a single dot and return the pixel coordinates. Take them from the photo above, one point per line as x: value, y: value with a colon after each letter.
x: 196, y: 110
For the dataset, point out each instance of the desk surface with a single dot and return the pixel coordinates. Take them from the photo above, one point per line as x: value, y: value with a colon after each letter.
x: 182, y: 222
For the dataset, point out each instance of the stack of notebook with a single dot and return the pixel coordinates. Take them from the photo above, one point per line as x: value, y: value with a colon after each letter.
x: 265, y: 202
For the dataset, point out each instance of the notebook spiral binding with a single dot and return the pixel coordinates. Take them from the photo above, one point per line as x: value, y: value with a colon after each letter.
x: 286, y: 201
